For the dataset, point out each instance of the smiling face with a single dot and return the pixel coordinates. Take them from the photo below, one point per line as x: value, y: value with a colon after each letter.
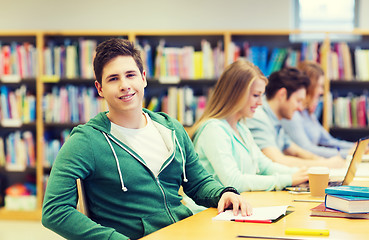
x: 318, y: 91
x: 122, y: 86
x: 293, y: 103
x: 254, y: 98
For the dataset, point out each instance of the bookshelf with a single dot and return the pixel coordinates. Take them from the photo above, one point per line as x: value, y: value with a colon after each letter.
x: 181, y: 68
x: 348, y: 86
x: 18, y: 120
x: 221, y: 43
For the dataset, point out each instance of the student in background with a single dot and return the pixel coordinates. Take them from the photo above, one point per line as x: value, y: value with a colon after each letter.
x: 285, y: 94
x: 132, y: 162
x: 304, y: 128
x: 225, y: 145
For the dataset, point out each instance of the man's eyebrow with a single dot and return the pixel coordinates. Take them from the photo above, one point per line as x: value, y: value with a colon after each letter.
x: 131, y: 71
x: 112, y: 75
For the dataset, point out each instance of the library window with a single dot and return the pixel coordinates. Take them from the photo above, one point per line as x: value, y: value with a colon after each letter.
x: 325, y: 15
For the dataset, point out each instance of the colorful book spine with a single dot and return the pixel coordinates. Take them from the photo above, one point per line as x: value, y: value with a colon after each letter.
x: 17, y: 105
x: 72, y: 104
x: 350, y: 111
x: 18, y: 150
x: 185, y: 63
x: 17, y: 61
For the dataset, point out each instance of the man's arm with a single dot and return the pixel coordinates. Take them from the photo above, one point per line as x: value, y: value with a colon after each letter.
x: 295, y: 150
x: 294, y: 161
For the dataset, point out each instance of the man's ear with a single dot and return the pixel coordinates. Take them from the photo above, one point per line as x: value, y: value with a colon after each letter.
x: 98, y: 88
x: 144, y: 78
x: 282, y: 94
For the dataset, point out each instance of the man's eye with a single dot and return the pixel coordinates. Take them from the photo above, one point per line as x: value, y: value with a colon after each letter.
x: 130, y: 75
x: 113, y: 79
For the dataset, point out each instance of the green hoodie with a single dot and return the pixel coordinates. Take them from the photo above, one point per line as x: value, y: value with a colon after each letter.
x: 125, y: 199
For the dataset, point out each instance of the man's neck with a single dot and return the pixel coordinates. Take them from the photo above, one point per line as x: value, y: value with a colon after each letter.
x: 134, y: 120
x: 274, y: 106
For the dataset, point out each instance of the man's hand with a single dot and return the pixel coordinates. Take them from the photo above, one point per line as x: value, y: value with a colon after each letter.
x: 300, y: 176
x: 229, y: 199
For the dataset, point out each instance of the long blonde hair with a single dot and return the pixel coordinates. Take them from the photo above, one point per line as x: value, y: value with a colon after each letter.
x: 230, y: 92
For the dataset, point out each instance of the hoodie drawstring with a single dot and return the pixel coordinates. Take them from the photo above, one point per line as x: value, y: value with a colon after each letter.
x: 118, y: 166
x: 183, y: 161
x: 116, y: 160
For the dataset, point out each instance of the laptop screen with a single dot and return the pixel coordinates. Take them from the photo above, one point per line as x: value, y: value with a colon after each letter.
x: 356, y: 160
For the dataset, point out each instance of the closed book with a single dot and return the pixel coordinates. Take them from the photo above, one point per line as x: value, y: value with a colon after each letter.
x: 348, y: 191
x: 322, y: 211
x: 349, y: 204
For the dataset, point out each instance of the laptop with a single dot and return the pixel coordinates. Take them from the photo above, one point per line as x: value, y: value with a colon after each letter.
x: 351, y: 170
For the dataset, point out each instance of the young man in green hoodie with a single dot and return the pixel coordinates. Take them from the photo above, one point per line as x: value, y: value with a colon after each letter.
x: 132, y: 162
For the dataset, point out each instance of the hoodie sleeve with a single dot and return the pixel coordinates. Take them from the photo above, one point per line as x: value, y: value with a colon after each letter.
x: 234, y: 165
x: 74, y: 160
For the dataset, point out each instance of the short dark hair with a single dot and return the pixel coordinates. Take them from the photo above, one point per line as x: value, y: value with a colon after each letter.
x: 289, y: 78
x: 112, y: 48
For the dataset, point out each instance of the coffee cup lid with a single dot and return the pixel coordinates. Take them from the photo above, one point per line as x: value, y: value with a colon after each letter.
x: 318, y: 170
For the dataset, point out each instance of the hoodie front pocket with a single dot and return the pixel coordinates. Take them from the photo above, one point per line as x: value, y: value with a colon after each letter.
x: 155, y: 222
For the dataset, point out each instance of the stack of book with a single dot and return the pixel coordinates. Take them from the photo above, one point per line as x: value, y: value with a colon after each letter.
x: 344, y: 201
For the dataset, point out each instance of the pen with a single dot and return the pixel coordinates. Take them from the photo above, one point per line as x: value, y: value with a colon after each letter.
x: 307, y: 231
x: 252, y: 221
x: 265, y: 237
x: 307, y: 200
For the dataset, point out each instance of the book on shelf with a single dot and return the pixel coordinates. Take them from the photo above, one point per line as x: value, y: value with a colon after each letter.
x: 332, y: 70
x: 17, y: 105
x: 146, y: 55
x: 72, y: 59
x: 86, y: 53
x: 322, y: 211
x: 2, y: 152
x: 270, y: 60
x: 71, y: 62
x: 30, y: 148
x: 362, y: 64
x: 347, y: 62
x: 293, y: 58
x: 348, y: 204
x: 233, y: 52
x: 17, y: 61
x: 347, y: 190
x: 72, y: 104
x: 350, y: 111
x: 17, y: 152
x: 174, y: 63
x: 341, y: 62
x: 153, y: 104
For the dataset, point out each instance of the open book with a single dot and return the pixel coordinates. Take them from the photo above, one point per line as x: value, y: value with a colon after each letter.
x: 261, y: 214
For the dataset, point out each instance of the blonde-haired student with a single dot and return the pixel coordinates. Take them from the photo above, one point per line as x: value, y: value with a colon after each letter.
x: 225, y: 145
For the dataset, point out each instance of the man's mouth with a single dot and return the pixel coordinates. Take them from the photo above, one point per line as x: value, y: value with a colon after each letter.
x: 128, y: 96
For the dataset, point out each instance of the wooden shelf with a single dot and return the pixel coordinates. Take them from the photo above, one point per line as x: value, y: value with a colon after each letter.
x: 197, y: 82
x: 20, y: 215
